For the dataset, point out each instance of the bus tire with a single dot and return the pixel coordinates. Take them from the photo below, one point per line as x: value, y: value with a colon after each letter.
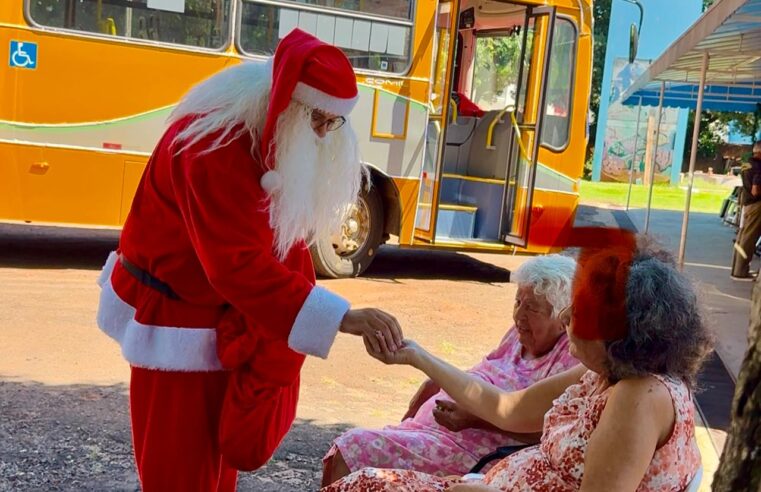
x: 349, y: 253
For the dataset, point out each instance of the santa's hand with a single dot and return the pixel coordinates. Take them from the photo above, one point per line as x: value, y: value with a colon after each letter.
x: 379, y: 328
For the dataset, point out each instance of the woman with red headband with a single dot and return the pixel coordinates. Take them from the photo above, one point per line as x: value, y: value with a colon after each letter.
x: 623, y: 419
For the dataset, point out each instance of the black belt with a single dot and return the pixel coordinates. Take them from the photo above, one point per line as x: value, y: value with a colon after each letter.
x: 146, y: 278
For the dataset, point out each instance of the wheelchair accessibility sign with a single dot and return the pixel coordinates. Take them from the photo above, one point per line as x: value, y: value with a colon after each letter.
x: 23, y: 55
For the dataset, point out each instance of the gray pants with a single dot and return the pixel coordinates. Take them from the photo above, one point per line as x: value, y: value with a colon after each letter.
x: 747, y: 239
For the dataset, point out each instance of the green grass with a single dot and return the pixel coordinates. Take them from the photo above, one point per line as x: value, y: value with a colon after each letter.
x: 706, y: 197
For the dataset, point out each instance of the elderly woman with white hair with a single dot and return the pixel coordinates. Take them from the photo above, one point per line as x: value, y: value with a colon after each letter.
x: 437, y: 436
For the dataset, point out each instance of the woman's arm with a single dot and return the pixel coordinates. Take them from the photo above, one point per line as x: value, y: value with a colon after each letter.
x: 519, y: 411
x: 638, y: 416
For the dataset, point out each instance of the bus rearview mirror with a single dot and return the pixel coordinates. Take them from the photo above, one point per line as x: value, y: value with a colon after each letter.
x: 633, y: 42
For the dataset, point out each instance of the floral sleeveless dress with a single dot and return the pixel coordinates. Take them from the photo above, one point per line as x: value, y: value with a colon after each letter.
x: 557, y: 464
x: 421, y: 444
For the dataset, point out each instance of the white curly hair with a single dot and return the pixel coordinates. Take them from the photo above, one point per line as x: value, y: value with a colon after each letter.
x: 551, y: 276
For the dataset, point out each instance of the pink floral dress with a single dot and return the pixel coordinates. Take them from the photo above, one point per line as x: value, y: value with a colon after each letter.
x: 419, y: 443
x: 557, y: 464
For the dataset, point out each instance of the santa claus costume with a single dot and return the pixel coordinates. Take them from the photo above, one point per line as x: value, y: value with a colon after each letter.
x: 212, y: 294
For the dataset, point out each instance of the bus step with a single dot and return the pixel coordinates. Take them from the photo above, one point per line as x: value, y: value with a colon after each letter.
x: 456, y: 221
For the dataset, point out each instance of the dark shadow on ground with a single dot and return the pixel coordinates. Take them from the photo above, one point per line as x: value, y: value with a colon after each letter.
x: 393, y: 262
x: 73, y: 438
x: 24, y: 246
x: 715, y: 393
x: 592, y: 216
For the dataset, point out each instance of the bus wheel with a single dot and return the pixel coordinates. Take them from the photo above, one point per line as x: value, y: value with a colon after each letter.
x: 349, y: 252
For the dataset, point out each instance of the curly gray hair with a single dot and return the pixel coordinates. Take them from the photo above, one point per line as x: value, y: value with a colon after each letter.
x: 551, y: 276
x: 667, y: 333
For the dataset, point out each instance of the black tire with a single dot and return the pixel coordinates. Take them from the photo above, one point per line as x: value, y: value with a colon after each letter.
x: 330, y: 262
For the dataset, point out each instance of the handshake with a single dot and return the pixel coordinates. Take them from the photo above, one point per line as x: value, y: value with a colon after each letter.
x: 381, y: 334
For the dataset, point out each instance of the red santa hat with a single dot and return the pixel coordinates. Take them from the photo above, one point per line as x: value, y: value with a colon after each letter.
x: 599, y: 285
x: 312, y: 72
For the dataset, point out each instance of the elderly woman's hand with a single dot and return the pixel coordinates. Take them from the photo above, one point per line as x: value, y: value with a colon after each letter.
x: 449, y: 414
x: 409, y: 353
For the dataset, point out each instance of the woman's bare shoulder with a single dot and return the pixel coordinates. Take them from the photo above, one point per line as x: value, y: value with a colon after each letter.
x: 643, y: 398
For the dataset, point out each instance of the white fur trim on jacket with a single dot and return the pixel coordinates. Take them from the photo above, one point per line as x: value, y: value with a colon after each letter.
x: 315, y: 98
x: 165, y: 348
x: 317, y: 323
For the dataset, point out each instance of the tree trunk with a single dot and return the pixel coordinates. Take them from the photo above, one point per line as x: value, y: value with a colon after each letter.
x: 740, y: 467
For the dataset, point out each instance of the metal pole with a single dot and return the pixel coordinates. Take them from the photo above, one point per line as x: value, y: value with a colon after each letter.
x: 634, y: 156
x: 693, y: 156
x: 655, y: 155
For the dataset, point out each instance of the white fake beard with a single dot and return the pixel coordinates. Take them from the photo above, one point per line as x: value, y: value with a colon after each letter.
x: 320, y: 179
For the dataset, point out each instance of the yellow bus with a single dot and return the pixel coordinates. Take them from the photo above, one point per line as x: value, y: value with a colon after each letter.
x: 472, y: 115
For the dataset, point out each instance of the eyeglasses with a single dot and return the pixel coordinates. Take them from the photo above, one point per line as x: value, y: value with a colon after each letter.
x: 319, y: 120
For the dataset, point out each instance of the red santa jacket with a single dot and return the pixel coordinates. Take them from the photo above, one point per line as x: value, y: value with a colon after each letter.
x: 199, y: 223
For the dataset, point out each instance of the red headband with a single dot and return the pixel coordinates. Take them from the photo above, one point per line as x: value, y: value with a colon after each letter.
x: 599, y: 286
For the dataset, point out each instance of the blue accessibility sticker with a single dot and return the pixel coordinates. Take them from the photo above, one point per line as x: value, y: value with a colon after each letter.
x: 23, y: 54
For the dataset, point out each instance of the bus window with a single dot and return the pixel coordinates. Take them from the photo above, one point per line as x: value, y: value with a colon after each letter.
x: 370, y: 41
x: 203, y: 23
x: 557, y: 113
x: 495, y: 72
x: 389, y: 8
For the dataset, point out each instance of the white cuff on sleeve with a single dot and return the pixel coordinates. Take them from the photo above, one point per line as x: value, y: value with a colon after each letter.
x: 317, y: 323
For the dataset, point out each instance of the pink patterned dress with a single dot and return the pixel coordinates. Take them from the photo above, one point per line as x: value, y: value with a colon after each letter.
x: 419, y: 443
x: 557, y: 464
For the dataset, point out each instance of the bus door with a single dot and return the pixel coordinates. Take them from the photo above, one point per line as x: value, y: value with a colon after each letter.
x: 438, y: 110
x: 527, y: 125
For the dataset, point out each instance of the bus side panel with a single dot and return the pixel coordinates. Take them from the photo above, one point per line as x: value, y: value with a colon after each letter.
x: 133, y: 172
x: 10, y: 181
x: 408, y: 195
x: 552, y: 215
x: 84, y: 80
x: 391, y: 127
x: 64, y: 124
x: 51, y: 184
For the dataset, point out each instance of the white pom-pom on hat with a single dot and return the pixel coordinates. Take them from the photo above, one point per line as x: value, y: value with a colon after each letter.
x: 271, y: 182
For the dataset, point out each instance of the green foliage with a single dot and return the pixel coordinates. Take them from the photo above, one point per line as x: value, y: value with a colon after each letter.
x: 496, y: 68
x: 708, y: 139
x: 588, y: 165
x: 712, y: 126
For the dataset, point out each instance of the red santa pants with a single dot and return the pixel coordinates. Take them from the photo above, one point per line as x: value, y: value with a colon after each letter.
x: 175, y: 422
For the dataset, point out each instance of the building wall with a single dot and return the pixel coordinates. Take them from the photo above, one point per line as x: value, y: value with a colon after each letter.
x: 614, y: 150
